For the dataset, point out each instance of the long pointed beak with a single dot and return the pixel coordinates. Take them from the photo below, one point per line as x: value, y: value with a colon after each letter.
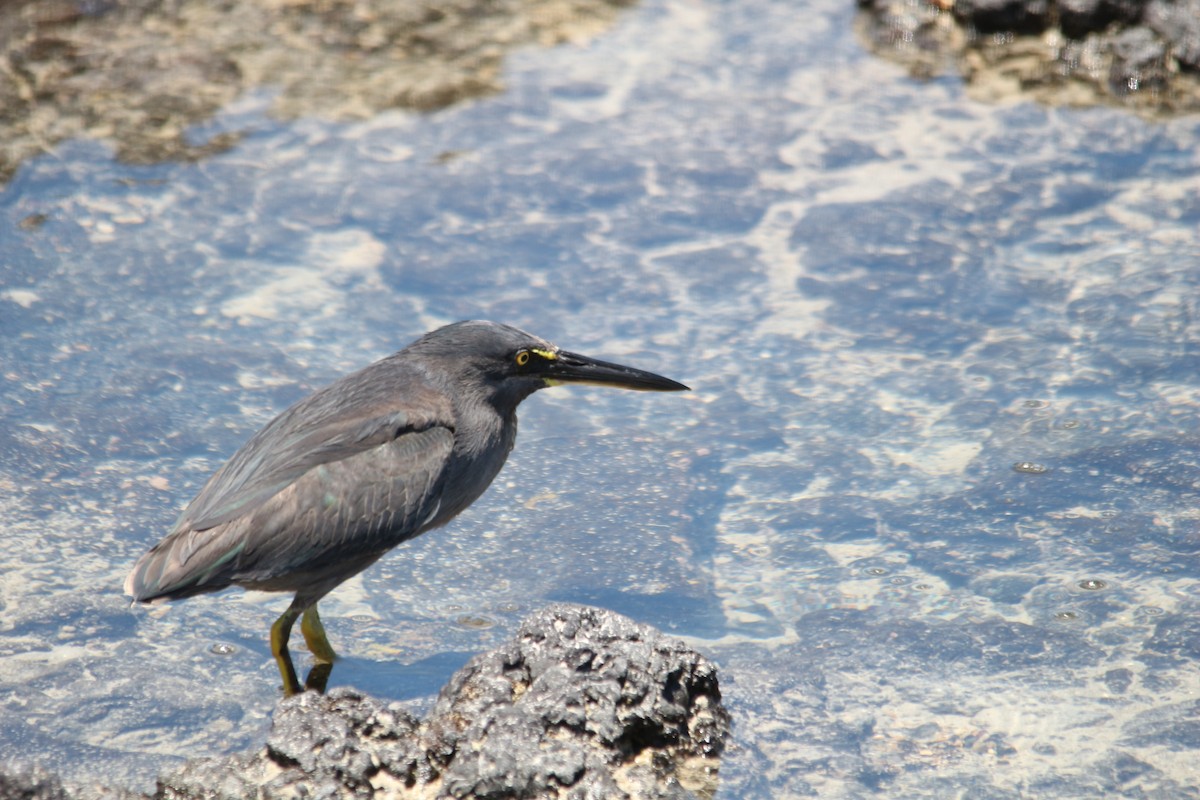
x: 574, y: 368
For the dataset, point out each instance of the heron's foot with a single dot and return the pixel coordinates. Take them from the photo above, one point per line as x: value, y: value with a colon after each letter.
x: 314, y: 637
x: 318, y: 677
x: 316, y: 681
x: 281, y: 631
x: 287, y: 672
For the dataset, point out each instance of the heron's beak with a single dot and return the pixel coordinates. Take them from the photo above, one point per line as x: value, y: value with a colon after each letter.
x: 573, y: 368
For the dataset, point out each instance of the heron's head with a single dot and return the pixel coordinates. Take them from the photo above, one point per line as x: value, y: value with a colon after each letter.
x: 506, y: 365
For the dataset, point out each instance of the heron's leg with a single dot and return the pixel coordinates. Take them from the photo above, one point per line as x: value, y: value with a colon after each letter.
x: 318, y: 677
x: 281, y: 631
x: 314, y: 636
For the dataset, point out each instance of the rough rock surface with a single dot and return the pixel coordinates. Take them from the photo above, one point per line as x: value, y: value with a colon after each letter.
x: 1178, y: 23
x: 582, y: 703
x: 24, y: 784
x: 1060, y: 52
x: 138, y: 73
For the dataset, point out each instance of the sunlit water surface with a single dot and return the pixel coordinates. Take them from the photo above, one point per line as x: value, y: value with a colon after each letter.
x: 932, y: 505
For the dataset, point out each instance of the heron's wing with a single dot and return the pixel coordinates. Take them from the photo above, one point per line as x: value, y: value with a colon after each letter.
x: 302, y: 487
x: 312, y: 433
x: 254, y: 475
x: 343, y: 512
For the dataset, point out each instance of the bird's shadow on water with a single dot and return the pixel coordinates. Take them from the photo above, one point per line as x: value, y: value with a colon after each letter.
x: 392, y: 680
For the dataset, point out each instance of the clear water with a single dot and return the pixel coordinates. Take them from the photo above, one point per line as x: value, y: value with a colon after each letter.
x: 931, y: 506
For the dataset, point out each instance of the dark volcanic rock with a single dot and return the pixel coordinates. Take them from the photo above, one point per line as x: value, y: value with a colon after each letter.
x: 1143, y: 55
x: 992, y: 16
x: 31, y: 785
x: 18, y: 783
x: 1078, y: 18
x: 582, y: 703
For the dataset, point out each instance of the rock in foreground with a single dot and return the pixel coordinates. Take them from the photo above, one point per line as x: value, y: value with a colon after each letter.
x: 582, y: 703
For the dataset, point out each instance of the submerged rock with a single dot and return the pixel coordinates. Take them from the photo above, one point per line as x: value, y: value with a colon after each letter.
x: 139, y: 73
x: 582, y: 703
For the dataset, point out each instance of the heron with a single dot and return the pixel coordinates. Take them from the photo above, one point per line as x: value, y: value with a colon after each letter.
x: 374, y: 459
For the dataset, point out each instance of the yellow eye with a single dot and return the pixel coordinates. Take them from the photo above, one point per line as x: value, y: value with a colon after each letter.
x: 522, y: 358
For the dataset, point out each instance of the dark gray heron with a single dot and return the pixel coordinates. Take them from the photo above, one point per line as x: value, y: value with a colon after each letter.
x: 356, y: 468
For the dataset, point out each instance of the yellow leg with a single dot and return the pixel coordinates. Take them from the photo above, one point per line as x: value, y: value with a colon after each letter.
x: 281, y: 631
x: 314, y: 636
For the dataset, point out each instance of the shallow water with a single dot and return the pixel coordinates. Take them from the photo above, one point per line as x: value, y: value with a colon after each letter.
x: 886, y: 297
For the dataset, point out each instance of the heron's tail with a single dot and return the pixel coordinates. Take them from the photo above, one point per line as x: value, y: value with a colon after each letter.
x: 184, y: 564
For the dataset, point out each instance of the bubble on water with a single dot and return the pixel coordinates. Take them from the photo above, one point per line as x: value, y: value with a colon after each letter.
x: 474, y: 621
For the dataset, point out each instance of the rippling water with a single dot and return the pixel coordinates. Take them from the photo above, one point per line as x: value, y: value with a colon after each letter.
x: 931, y: 506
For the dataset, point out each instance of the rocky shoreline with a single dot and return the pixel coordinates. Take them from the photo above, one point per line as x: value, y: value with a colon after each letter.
x: 580, y: 703
x: 139, y: 74
x: 1141, y: 55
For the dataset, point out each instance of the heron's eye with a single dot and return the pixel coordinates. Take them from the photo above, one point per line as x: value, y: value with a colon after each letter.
x: 522, y: 358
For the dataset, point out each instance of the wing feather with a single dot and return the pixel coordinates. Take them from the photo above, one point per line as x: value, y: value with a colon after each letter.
x: 316, y: 481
